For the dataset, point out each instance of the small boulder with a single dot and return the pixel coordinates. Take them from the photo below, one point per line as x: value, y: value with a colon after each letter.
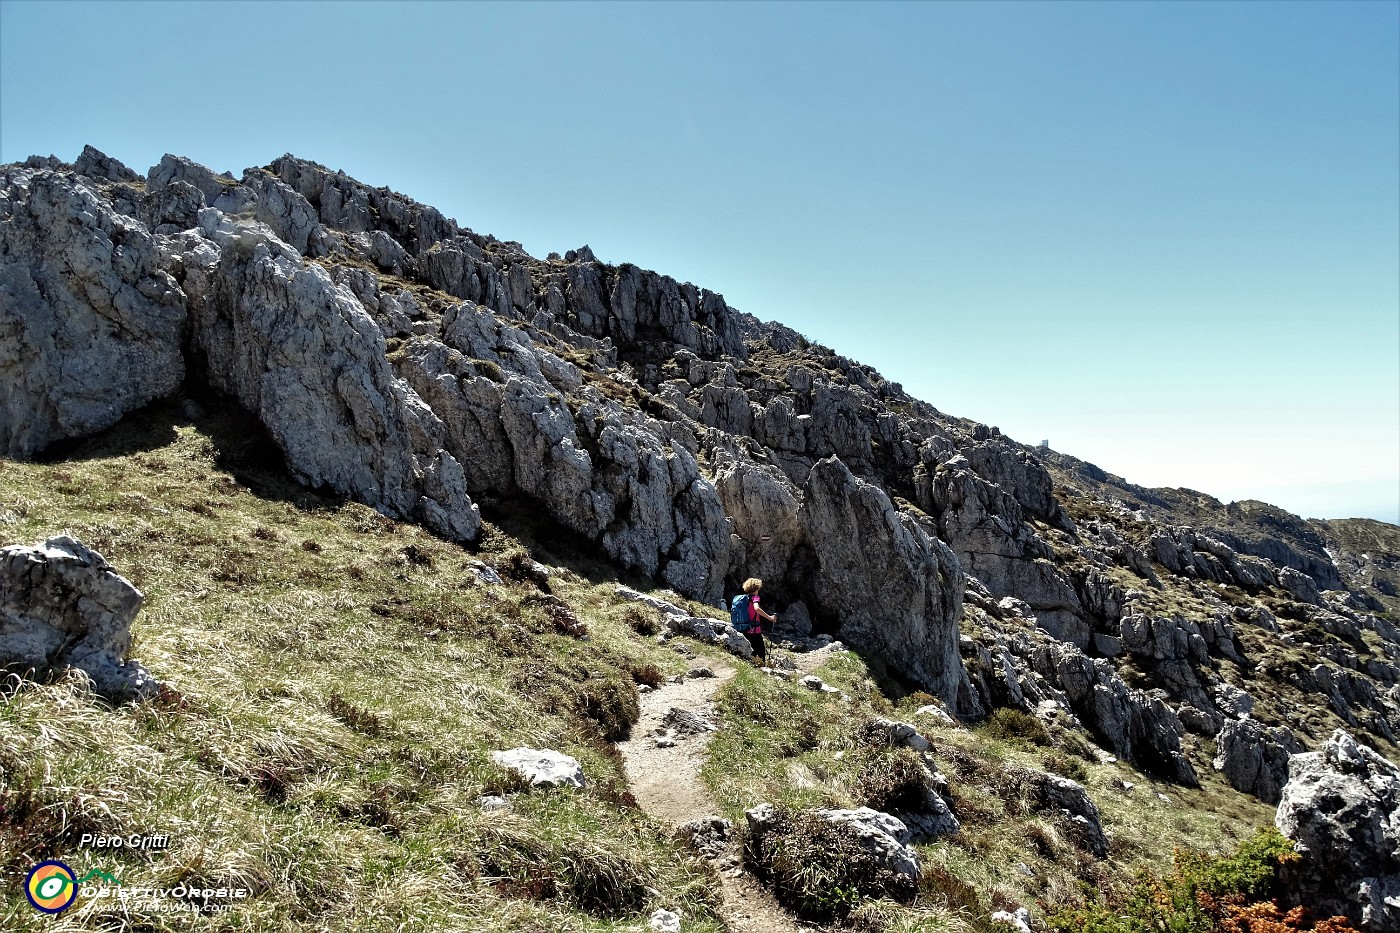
x: 899, y: 733
x: 662, y: 920
x: 936, y: 713
x: 542, y: 766
x: 485, y: 573
x: 686, y: 722
x: 1020, y: 920
x: 708, y: 835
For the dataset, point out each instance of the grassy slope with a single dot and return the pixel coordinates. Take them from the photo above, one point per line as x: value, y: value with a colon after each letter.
x: 792, y: 746
x: 340, y: 679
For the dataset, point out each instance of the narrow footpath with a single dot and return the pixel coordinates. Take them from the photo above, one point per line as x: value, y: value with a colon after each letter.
x: 666, y: 781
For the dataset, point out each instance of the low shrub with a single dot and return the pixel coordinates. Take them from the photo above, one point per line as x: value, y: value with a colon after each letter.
x: 1203, y: 894
x: 893, y: 781
x: 640, y: 621
x: 1072, y: 768
x: 645, y: 672
x: 1016, y: 725
x: 819, y: 869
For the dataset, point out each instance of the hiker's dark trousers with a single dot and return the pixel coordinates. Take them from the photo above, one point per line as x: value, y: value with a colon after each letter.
x: 756, y: 639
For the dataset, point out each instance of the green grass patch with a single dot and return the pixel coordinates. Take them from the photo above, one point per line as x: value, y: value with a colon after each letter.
x: 336, y: 681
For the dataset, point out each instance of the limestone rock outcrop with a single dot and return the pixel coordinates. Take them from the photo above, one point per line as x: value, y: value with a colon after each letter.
x: 897, y: 590
x: 1341, y: 808
x: 90, y: 318
x: 63, y: 606
x: 1254, y: 758
x: 402, y: 359
x: 326, y: 393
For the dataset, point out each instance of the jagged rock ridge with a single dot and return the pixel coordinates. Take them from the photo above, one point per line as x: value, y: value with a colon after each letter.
x: 422, y: 368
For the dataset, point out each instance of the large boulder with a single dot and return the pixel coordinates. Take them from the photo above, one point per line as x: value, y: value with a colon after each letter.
x: 62, y: 605
x: 1341, y: 808
x: 896, y: 591
x: 803, y: 855
x: 90, y: 320
x: 1254, y: 758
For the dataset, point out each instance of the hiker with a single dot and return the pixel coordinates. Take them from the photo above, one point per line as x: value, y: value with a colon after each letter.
x: 748, y: 617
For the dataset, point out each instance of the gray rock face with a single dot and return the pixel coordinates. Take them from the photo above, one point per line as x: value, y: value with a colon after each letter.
x: 985, y: 527
x: 1341, y: 808
x: 764, y: 508
x: 897, y: 591
x: 1072, y: 801
x: 607, y: 472
x: 172, y: 208
x: 90, y: 319
x: 220, y: 192
x: 325, y: 393
x: 286, y: 213
x: 1253, y: 758
x: 1135, y: 724
x: 1020, y: 474
x: 97, y: 164
x: 62, y: 605
x: 1300, y: 586
x: 542, y: 766
x: 1162, y: 639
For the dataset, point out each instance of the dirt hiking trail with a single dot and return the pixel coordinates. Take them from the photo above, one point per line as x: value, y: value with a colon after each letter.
x: 666, y: 781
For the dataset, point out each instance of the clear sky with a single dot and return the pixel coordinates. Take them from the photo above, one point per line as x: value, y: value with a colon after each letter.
x: 1166, y: 237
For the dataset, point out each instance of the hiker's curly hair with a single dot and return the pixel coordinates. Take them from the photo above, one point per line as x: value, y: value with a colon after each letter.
x: 752, y: 585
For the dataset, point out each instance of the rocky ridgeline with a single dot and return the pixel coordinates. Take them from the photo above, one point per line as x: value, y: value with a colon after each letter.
x: 423, y: 369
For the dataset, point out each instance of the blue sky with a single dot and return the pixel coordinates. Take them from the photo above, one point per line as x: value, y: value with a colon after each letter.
x: 1166, y: 237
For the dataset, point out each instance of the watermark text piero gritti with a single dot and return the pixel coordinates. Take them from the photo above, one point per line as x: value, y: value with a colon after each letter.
x: 150, y: 842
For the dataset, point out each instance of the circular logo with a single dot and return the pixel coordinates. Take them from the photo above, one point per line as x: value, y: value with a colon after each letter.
x: 51, y: 887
